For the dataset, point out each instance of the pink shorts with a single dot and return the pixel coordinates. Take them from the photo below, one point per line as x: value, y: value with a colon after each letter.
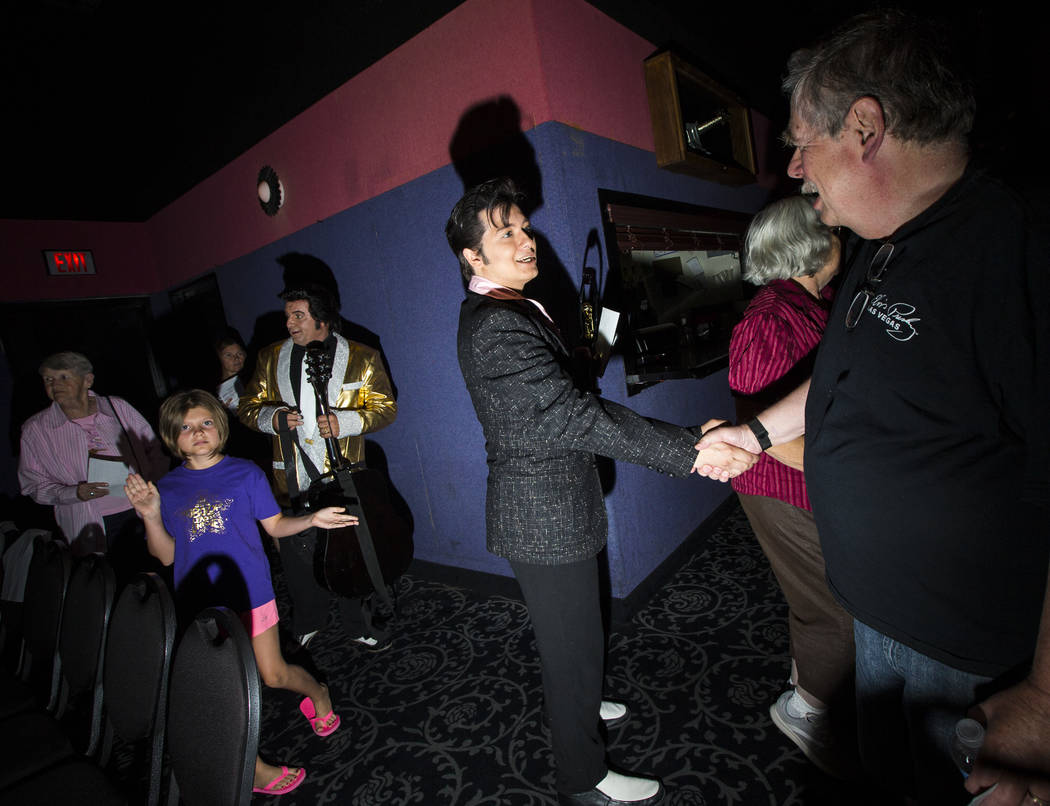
x: 262, y: 618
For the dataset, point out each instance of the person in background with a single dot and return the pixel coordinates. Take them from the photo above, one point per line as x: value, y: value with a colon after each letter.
x: 57, y: 444
x: 232, y: 353
x: 793, y: 256
x: 243, y: 442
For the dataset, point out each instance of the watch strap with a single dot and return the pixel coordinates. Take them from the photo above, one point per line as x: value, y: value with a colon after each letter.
x: 760, y: 433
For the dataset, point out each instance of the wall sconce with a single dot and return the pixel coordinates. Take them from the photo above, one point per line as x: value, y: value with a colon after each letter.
x: 270, y: 190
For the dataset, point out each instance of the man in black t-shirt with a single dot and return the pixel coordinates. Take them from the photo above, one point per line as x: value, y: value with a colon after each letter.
x: 926, y: 442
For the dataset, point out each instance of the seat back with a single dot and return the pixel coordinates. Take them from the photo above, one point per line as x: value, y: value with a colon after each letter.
x: 18, y: 554
x: 136, y: 673
x: 8, y: 533
x: 81, y: 644
x: 42, y: 614
x: 213, y: 712
x: 10, y: 630
x: 17, y: 557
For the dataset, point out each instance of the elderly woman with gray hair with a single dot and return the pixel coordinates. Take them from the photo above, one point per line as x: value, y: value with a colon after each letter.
x: 57, y: 444
x: 793, y: 256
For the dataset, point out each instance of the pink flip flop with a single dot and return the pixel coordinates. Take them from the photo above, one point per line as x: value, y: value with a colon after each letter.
x: 270, y: 788
x: 318, y: 723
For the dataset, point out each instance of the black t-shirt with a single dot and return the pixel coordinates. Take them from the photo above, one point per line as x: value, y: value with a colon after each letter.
x: 926, y: 447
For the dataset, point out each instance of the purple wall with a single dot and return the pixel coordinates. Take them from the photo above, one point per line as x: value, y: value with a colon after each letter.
x: 398, y: 279
x: 369, y: 189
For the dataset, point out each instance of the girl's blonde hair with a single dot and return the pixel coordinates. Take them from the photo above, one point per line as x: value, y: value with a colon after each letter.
x: 173, y: 410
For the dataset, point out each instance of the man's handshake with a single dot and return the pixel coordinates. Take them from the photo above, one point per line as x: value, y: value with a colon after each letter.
x: 725, y: 451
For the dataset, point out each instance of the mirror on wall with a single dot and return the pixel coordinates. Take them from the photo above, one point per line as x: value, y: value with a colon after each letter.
x: 675, y: 276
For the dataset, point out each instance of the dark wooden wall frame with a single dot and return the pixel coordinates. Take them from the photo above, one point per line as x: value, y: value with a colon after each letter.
x: 680, y: 93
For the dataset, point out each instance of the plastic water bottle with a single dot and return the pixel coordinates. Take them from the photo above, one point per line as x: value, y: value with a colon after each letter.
x: 966, y: 744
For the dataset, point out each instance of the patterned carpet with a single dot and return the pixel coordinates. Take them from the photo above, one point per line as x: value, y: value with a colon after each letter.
x: 451, y: 713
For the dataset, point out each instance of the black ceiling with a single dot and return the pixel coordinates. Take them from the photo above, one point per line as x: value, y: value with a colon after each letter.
x: 114, y: 108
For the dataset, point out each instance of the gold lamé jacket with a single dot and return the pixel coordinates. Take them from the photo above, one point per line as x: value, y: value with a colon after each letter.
x: 359, y: 393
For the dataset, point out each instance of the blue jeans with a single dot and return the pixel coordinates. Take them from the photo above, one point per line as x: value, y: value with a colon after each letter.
x: 907, y: 707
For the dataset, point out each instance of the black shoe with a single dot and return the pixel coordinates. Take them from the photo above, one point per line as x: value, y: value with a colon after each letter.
x: 595, y: 797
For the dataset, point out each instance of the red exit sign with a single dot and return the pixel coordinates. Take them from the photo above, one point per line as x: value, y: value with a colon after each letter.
x: 65, y: 263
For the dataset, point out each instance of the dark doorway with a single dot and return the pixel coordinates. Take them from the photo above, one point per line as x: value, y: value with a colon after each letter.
x: 113, y: 333
x: 186, y: 335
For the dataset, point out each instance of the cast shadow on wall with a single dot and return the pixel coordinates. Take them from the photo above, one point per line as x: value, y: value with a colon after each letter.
x: 488, y: 142
x: 305, y: 270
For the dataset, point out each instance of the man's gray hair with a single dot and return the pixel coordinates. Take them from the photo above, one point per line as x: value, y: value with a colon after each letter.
x: 786, y: 239
x: 898, y: 59
x: 75, y: 362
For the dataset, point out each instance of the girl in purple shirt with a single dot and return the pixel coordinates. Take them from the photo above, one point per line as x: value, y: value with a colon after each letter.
x: 202, y: 517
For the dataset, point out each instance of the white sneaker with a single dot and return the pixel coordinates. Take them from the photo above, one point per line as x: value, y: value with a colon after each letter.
x: 375, y: 643
x: 809, y: 730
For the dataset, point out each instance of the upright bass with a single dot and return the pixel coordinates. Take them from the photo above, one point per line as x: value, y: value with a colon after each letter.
x: 354, y: 561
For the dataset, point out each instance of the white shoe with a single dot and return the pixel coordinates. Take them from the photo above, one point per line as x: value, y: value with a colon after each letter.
x: 809, y: 730
x: 613, y: 713
x: 627, y: 788
x: 375, y: 643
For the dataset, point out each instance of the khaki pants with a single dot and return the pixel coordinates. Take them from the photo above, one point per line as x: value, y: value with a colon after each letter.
x: 821, y: 631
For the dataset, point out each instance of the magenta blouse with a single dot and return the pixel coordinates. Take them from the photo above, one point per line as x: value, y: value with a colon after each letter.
x: 781, y: 327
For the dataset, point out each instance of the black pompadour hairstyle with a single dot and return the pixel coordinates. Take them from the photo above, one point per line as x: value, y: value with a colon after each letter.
x: 320, y: 302
x: 465, y: 227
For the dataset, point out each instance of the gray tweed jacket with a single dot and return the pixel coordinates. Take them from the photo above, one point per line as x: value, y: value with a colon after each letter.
x: 544, y: 499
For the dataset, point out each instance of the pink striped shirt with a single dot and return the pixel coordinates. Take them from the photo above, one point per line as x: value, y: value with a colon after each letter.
x: 54, y: 458
x: 780, y: 329
x: 104, y: 444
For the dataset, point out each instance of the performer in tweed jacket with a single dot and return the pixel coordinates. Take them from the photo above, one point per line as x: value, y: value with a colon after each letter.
x: 544, y: 507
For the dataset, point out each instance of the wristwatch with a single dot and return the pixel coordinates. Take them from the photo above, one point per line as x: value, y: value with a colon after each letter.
x: 760, y: 433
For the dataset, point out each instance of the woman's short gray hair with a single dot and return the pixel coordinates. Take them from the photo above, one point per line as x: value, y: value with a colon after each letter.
x: 786, y: 239
x: 75, y: 362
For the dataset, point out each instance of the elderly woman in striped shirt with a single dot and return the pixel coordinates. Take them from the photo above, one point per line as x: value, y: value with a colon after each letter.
x: 793, y: 256
x: 53, y: 466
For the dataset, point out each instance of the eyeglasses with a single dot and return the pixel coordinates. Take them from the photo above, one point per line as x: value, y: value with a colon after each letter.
x: 867, y: 289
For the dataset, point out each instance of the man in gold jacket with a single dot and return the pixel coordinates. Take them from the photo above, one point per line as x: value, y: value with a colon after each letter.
x: 280, y: 400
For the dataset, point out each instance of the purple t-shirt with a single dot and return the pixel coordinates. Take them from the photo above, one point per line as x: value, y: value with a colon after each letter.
x: 213, y: 515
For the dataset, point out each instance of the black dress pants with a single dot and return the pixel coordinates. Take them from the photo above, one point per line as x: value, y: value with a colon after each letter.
x: 566, y: 619
x: 309, y: 600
